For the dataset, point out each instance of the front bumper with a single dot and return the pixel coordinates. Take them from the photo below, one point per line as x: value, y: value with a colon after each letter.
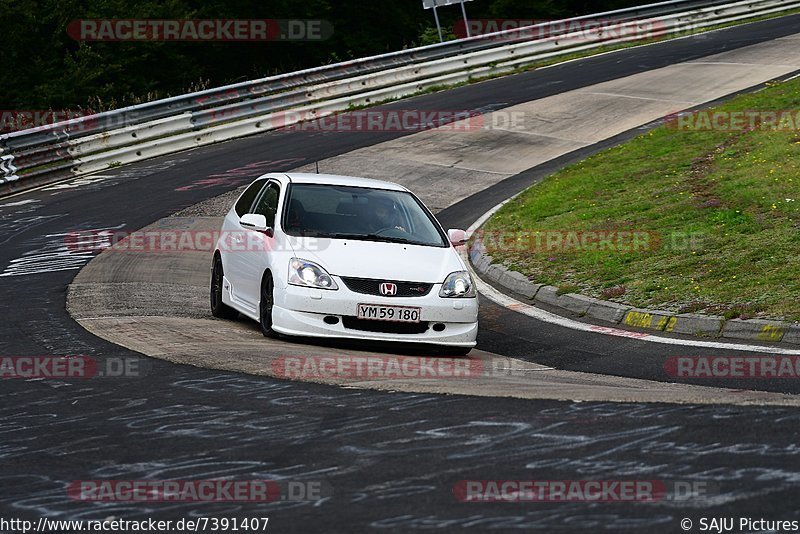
x: 302, y: 311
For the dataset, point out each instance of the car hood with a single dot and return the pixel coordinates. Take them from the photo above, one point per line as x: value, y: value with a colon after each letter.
x: 374, y: 259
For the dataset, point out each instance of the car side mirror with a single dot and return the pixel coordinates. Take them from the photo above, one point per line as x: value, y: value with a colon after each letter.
x: 457, y: 237
x: 255, y: 222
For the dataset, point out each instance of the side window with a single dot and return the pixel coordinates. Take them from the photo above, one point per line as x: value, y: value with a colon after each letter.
x: 267, y: 204
x: 248, y: 197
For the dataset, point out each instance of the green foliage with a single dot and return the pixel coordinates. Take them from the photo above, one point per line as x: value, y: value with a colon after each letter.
x: 45, y: 69
x: 430, y: 36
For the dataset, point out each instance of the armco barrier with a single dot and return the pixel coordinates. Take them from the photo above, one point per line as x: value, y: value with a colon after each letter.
x: 253, y: 89
x: 92, y: 143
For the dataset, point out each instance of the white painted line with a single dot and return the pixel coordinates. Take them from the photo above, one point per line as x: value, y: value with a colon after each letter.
x: 50, y: 184
x: 617, y: 95
x: 579, y: 143
x: 20, y: 203
x: 532, y: 369
x: 455, y: 166
x: 736, y: 64
x: 541, y: 315
x: 672, y: 38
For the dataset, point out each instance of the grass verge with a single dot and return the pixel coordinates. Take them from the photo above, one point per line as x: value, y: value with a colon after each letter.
x: 717, y: 215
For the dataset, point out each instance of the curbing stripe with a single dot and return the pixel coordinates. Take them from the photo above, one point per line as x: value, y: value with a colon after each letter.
x: 697, y: 325
x: 754, y: 329
x: 649, y: 319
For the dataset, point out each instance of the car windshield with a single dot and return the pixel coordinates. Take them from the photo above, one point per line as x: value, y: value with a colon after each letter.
x: 361, y: 213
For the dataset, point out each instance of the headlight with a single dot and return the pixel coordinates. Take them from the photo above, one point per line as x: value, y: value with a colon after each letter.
x: 458, y: 284
x: 309, y: 274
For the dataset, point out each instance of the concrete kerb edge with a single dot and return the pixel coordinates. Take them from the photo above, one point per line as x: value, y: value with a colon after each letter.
x: 608, y: 312
x: 703, y: 326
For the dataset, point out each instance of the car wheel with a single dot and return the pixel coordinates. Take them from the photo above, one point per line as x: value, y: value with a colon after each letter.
x: 457, y: 351
x: 218, y: 308
x: 265, y: 307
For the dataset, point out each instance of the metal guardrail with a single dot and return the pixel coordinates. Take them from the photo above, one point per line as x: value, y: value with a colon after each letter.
x: 232, y: 93
x: 91, y: 143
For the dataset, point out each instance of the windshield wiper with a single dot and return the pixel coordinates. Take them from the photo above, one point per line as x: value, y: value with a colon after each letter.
x: 371, y: 237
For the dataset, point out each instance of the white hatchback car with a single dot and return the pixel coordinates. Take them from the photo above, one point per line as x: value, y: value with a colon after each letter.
x: 335, y: 256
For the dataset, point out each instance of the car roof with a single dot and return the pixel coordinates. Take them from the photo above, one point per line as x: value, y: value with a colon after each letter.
x: 332, y: 179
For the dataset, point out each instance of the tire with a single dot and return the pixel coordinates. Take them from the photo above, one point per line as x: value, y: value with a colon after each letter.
x: 218, y: 308
x: 457, y: 351
x: 265, y: 304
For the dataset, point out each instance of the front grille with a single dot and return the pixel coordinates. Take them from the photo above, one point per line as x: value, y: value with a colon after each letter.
x: 372, y: 287
x: 386, y: 327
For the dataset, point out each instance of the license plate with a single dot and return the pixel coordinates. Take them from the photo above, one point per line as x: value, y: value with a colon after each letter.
x: 400, y: 314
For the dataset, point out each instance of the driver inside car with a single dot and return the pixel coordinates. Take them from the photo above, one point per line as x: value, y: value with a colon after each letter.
x: 385, y: 216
